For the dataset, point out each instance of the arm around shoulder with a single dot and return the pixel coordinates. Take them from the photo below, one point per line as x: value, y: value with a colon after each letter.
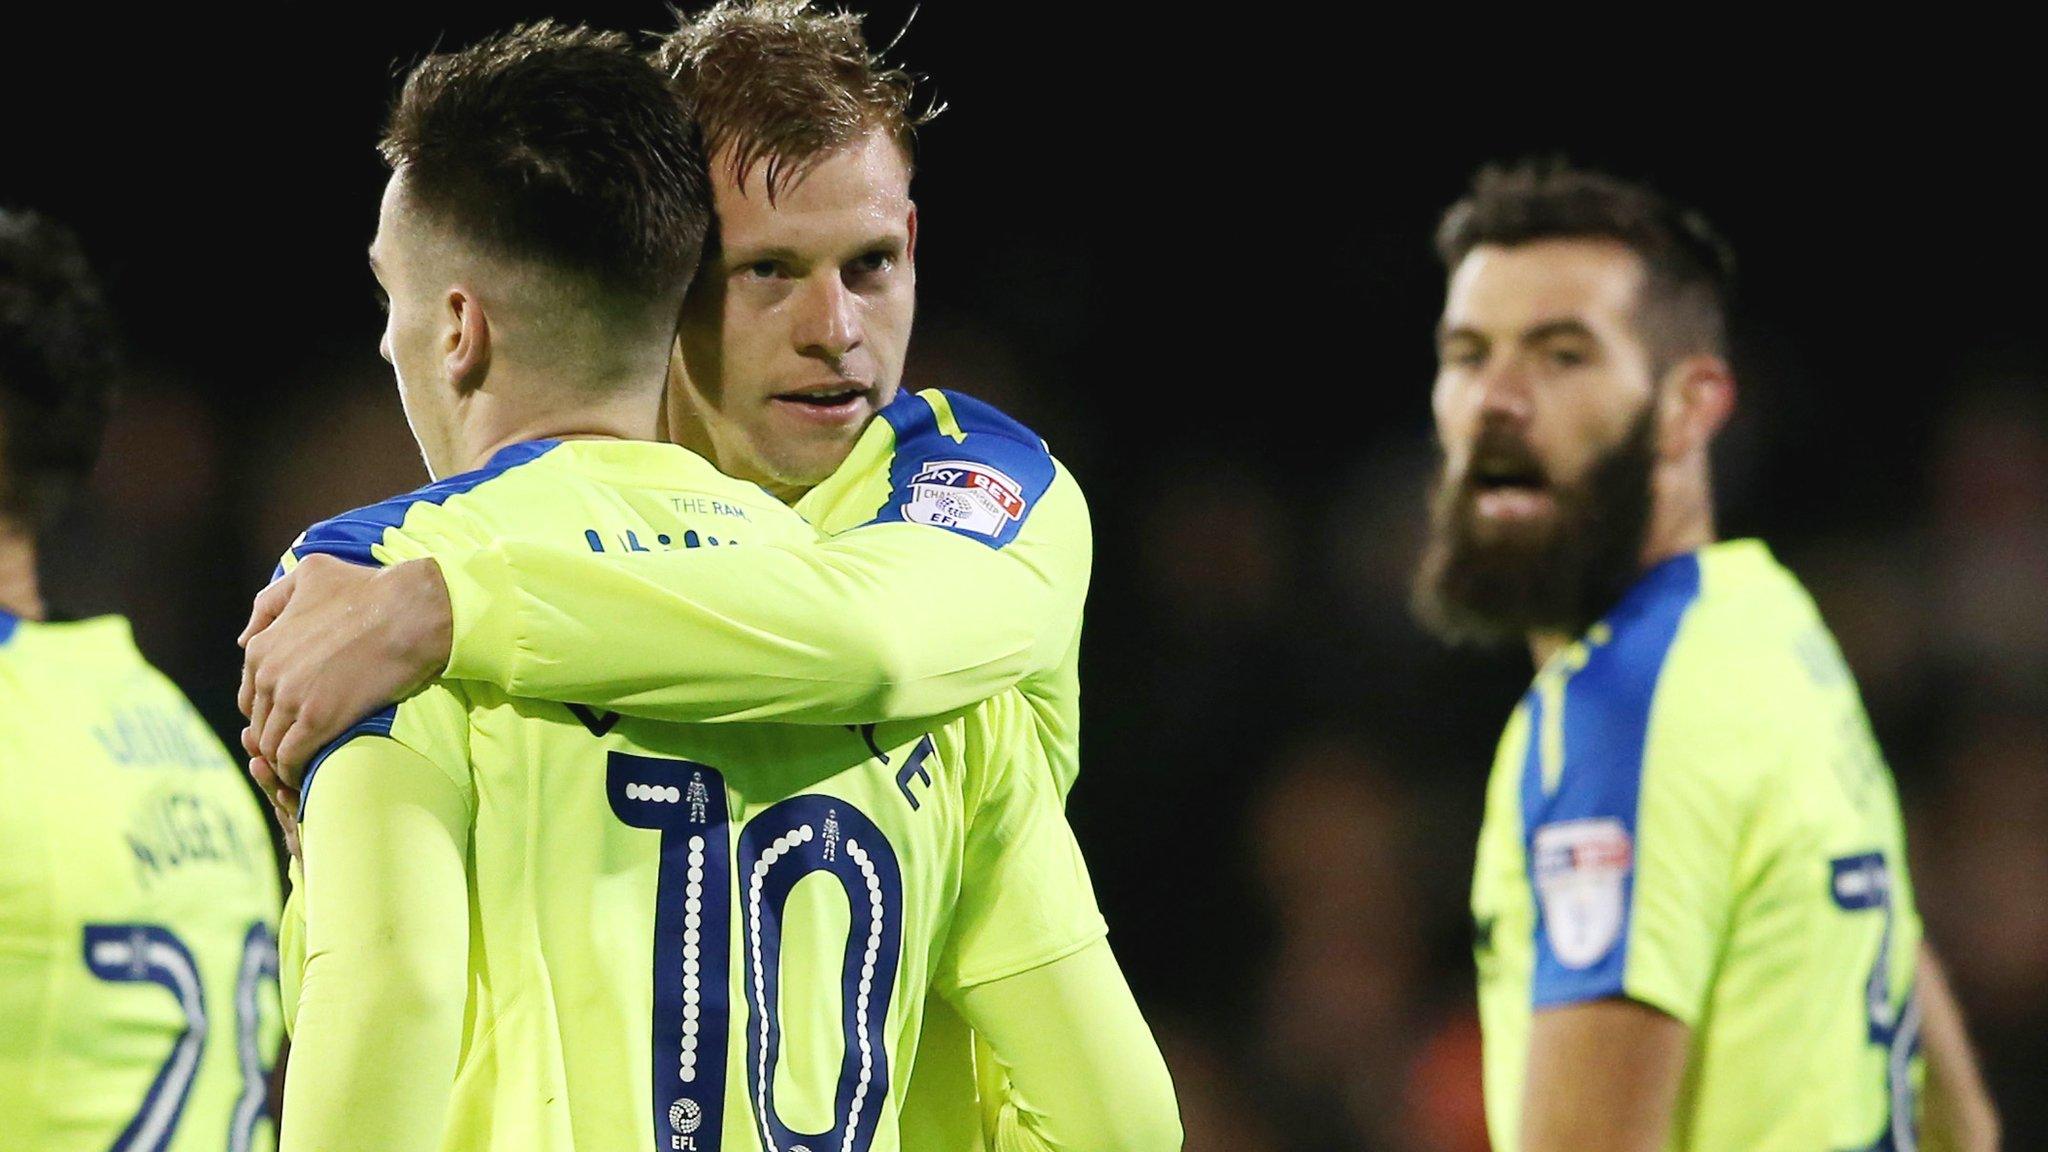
x: 891, y: 620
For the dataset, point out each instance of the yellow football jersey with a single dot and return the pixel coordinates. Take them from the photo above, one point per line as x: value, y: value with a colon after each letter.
x: 138, y: 897
x: 1689, y: 810
x: 697, y: 937
x: 958, y: 556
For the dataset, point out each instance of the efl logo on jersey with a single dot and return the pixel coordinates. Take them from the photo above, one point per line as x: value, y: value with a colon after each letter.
x: 1580, y: 868
x: 961, y: 494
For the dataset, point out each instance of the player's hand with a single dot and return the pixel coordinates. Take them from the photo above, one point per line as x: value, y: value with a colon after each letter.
x: 331, y: 642
x: 284, y: 800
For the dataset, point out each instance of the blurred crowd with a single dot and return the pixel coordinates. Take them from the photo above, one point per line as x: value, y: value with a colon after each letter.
x: 1283, y: 776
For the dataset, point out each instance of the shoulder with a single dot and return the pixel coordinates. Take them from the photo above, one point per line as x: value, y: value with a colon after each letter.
x: 966, y: 466
x: 1618, y: 673
x: 1743, y: 669
x: 432, y: 723
x: 358, y: 535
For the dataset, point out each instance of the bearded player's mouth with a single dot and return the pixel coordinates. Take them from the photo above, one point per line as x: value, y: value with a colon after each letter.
x: 827, y: 402
x: 1509, y: 489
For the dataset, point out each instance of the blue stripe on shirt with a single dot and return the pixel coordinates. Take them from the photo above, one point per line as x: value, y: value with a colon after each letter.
x: 377, y: 723
x: 930, y: 467
x: 1606, y: 721
x: 351, y: 535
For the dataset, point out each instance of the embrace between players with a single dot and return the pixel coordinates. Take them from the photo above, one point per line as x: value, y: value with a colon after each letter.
x: 789, y: 868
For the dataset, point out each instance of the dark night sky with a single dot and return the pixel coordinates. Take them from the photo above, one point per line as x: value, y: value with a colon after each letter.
x: 1166, y: 215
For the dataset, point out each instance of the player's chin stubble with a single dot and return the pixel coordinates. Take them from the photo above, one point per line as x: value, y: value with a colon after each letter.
x: 1561, y: 578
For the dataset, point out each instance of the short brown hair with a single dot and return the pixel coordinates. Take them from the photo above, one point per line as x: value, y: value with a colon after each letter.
x: 785, y: 84
x: 558, y: 145
x: 1689, y: 269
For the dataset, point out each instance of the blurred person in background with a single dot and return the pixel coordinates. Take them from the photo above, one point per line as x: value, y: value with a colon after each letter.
x: 138, y: 996
x: 1694, y: 921
x: 1344, y: 991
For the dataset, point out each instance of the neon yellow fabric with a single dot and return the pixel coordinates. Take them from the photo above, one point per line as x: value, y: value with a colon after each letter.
x: 1688, y: 809
x: 378, y: 982
x: 138, y: 894
x: 885, y: 620
x: 1067, y: 1031
x: 825, y: 855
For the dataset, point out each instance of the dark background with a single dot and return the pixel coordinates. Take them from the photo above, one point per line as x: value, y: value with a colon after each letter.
x: 1192, y: 251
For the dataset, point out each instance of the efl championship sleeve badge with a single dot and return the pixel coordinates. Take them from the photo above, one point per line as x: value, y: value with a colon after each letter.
x: 964, y: 495
x: 1581, y: 867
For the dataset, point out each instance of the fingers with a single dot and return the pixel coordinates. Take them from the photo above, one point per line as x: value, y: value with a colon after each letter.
x: 258, y: 713
x: 278, y: 714
x: 270, y: 603
x: 284, y: 800
x: 298, y: 745
x: 288, y: 824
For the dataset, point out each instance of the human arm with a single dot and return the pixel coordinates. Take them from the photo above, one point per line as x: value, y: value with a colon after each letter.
x: 1959, y: 1115
x: 378, y: 1026
x: 1078, y: 1068
x: 890, y: 620
x: 1603, y: 1077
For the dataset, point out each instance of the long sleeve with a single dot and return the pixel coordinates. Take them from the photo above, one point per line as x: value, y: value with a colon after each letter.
x: 891, y: 620
x: 1076, y: 1066
x: 384, y: 902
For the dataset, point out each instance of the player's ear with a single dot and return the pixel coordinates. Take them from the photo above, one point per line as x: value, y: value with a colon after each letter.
x: 468, y: 341
x: 1698, y: 398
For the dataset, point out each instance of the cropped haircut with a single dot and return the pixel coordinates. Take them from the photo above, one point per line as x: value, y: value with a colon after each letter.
x: 58, y: 363
x: 562, y: 147
x: 786, y: 85
x: 1689, y: 270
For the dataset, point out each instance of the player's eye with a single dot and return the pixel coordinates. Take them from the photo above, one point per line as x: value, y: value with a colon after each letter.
x: 764, y: 270
x: 383, y: 299
x: 870, y: 263
x: 1462, y: 356
x: 1568, y: 357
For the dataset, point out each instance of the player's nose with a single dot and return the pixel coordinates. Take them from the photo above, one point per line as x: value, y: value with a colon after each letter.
x: 1503, y: 392
x: 828, y: 317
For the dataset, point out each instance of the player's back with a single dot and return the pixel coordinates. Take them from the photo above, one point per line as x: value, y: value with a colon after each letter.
x: 138, y: 898
x: 712, y: 936
x: 1690, y: 810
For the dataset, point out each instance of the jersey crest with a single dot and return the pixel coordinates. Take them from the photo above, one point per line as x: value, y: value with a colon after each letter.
x: 1580, y: 866
x: 966, y: 495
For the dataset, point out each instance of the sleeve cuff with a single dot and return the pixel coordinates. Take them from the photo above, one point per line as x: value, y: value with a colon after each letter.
x: 483, y: 606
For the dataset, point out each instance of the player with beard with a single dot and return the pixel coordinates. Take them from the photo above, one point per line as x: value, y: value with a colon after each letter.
x: 1695, y: 928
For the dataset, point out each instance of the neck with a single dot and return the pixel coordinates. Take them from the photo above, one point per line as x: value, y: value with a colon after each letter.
x: 1544, y: 645
x: 687, y: 430
x: 1681, y: 523
x: 20, y: 595
x: 787, y: 493
x: 489, y: 426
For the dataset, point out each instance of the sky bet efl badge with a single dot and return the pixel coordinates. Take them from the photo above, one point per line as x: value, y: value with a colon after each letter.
x: 961, y: 494
x: 1580, y: 867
